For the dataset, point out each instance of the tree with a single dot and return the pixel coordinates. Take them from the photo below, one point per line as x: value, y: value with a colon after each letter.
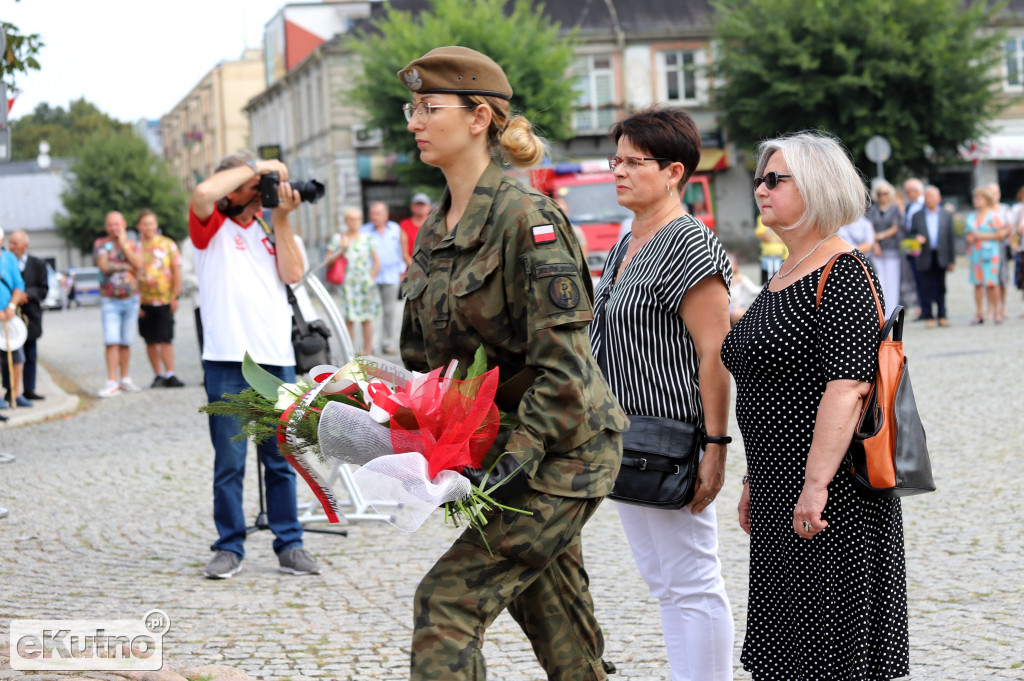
x: 20, y: 52
x: 921, y: 73
x: 530, y: 48
x: 65, y: 131
x: 118, y: 172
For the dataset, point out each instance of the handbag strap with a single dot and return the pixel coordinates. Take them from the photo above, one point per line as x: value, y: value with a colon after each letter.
x: 602, y: 362
x: 871, y: 282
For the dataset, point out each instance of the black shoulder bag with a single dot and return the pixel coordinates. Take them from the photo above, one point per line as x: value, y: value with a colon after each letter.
x: 659, y: 455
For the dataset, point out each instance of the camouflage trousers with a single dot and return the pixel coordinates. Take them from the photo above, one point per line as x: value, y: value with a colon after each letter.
x: 536, y: 572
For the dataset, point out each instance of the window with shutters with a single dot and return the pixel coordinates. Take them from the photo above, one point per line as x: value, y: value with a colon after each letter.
x: 1014, y: 61
x: 595, y: 93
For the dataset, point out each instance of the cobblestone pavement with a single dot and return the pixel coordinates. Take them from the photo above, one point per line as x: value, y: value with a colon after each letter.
x: 110, y: 516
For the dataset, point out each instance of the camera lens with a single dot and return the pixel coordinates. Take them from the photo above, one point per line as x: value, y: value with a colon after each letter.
x: 309, y: 191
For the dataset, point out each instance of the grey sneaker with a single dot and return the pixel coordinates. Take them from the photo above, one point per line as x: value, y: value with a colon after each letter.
x: 224, y: 565
x: 298, y: 561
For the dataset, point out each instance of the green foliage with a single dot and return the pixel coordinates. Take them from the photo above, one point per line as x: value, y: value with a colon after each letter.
x: 527, y: 45
x: 918, y: 72
x: 65, y: 131
x: 20, y: 52
x: 118, y: 172
x: 261, y: 380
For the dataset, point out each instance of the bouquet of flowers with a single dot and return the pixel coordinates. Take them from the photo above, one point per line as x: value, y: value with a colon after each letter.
x: 410, y: 433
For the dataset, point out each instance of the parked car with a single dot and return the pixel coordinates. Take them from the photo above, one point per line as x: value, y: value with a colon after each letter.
x: 86, y: 287
x: 56, y: 297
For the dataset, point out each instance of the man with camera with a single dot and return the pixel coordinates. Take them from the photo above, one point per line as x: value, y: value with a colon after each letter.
x: 243, y: 266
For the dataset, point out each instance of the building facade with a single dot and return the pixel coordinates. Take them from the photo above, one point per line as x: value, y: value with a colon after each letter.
x: 210, y: 121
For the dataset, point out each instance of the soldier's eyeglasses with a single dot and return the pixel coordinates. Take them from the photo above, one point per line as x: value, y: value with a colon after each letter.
x: 770, y: 180
x: 631, y: 162
x: 423, y: 109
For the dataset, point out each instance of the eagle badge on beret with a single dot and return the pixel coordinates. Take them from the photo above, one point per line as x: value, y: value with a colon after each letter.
x: 412, y: 79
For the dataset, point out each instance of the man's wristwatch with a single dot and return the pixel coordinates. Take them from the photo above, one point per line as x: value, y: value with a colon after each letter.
x: 252, y: 166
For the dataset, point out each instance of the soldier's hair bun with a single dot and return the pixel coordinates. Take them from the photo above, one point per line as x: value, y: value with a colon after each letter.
x: 520, y: 144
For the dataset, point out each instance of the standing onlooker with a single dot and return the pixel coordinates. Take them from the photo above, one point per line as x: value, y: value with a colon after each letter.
x: 984, y: 233
x: 659, y: 321
x: 828, y: 595
x: 12, y: 293
x: 160, y: 286
x: 243, y: 267
x: 913, y: 189
x: 119, y: 259
x: 523, y: 295
x: 773, y: 251
x: 1005, y: 252
x: 860, y: 233
x: 420, y: 209
x: 1017, y: 240
x: 387, y: 242
x: 37, y: 285
x: 933, y: 228
x: 360, y: 301
x: 742, y: 292
x: 885, y: 218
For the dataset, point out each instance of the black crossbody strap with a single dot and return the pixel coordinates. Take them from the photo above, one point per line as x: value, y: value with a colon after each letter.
x: 602, y: 362
x: 300, y: 321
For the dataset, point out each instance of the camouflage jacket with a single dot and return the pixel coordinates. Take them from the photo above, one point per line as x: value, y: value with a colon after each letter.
x: 508, y: 277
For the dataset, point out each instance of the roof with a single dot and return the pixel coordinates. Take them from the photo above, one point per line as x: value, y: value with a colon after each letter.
x: 29, y: 196
x: 605, y: 17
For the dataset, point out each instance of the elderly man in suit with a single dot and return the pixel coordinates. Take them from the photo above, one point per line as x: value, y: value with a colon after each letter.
x: 933, y: 228
x: 33, y: 271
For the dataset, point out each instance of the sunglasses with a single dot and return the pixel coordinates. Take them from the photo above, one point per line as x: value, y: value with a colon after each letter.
x: 770, y: 180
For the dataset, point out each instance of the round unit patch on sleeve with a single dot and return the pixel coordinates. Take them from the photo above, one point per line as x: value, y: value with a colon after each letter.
x: 564, y: 293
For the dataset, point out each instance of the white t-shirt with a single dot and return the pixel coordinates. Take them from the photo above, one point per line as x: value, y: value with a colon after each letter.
x: 242, y: 299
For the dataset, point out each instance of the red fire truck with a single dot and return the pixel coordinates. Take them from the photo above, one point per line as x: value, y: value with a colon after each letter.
x: 588, y: 188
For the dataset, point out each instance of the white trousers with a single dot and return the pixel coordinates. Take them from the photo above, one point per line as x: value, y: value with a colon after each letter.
x: 677, y: 553
x: 889, y: 267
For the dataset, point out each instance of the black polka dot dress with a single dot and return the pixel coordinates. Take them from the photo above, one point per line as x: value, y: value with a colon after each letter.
x: 834, y: 607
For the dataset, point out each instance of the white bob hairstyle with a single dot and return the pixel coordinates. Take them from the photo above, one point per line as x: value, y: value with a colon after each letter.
x: 832, y: 189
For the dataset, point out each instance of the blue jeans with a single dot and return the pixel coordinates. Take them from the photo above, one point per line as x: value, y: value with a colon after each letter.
x: 120, y: 319
x: 229, y: 469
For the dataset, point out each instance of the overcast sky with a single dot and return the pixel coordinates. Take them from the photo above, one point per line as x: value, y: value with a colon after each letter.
x: 131, y: 58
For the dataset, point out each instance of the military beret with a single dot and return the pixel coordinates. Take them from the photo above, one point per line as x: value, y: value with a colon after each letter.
x: 456, y: 70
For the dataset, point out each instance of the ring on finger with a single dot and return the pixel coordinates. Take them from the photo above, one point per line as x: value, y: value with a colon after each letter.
x: 807, y: 526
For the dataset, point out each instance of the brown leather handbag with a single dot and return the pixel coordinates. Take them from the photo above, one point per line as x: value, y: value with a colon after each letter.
x: 888, y: 455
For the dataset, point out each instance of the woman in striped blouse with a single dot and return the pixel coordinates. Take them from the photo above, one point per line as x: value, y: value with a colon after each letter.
x: 660, y: 316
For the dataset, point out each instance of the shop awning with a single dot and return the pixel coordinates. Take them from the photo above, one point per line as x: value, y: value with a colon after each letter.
x: 712, y: 159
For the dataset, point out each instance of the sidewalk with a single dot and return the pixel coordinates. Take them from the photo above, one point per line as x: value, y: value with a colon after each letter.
x: 57, y: 403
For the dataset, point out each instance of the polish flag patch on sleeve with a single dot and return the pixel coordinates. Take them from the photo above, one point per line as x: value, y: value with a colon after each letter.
x: 543, y: 234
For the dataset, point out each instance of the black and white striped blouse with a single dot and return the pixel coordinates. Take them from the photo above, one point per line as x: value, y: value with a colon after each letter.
x: 650, y: 358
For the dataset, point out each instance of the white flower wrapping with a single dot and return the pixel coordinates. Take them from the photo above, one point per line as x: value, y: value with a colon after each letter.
x: 396, y: 484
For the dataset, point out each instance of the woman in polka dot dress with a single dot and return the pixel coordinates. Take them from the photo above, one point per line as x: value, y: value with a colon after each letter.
x: 827, y: 583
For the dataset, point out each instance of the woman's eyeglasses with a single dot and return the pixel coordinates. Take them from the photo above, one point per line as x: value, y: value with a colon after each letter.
x: 630, y: 162
x: 770, y: 180
x: 424, y: 109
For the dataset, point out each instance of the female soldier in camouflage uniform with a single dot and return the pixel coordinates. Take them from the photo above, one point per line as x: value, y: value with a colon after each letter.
x: 497, y: 265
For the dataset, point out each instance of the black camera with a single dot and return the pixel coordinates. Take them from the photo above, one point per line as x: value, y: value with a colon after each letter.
x: 309, y: 191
